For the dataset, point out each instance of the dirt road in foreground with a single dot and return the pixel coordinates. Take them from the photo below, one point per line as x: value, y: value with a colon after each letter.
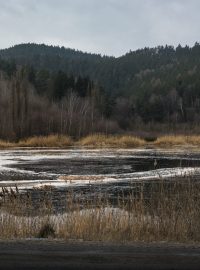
x: 55, y: 255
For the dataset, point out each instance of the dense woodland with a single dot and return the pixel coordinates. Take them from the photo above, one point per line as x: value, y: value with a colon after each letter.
x: 46, y: 89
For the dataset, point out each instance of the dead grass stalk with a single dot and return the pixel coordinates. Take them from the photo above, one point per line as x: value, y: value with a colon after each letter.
x: 99, y: 140
x: 167, y: 212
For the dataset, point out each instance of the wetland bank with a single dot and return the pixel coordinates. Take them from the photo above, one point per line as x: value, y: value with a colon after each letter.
x: 109, y: 194
x: 99, y: 151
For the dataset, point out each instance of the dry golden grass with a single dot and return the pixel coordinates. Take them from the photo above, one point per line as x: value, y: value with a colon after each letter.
x: 46, y: 141
x: 172, y: 140
x: 5, y: 144
x: 165, y: 213
x: 194, y: 140
x: 93, y: 140
x: 99, y: 140
x: 80, y: 177
x: 130, y: 141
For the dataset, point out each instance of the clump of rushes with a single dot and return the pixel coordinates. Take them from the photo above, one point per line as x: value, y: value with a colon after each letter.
x: 131, y: 141
x: 46, y: 141
x: 5, y: 144
x: 173, y: 140
x: 170, y: 140
x: 99, y: 140
x: 160, y: 211
x: 194, y: 140
x: 93, y: 140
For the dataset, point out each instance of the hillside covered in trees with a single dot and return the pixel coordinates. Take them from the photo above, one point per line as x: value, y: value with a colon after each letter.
x: 46, y: 89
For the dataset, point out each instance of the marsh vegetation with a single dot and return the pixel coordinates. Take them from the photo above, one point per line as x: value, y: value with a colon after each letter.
x: 162, y: 211
x: 99, y: 194
x: 101, y: 140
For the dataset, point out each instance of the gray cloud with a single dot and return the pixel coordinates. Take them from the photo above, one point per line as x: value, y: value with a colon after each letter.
x: 108, y: 26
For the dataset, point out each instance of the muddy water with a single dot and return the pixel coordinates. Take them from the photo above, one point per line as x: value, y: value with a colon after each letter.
x: 93, y: 171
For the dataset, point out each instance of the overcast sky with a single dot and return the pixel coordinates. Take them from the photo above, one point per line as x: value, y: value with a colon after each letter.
x: 110, y: 27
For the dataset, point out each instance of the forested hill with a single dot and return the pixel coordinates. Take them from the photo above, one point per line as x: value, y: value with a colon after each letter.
x: 147, y: 86
x: 55, y: 59
x: 127, y: 74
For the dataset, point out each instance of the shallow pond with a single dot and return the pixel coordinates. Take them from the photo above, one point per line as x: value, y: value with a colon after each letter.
x: 88, y: 173
x: 63, y: 169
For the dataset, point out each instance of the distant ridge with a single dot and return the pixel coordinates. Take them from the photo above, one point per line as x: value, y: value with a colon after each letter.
x: 116, y: 75
x: 152, y: 85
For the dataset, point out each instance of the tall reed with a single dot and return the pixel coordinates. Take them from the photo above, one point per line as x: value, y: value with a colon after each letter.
x: 161, y: 211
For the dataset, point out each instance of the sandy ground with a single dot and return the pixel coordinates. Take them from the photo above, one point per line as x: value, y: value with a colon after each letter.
x: 45, y: 254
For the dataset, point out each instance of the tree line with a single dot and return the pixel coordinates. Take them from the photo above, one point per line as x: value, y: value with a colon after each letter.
x: 41, y: 103
x: 46, y: 89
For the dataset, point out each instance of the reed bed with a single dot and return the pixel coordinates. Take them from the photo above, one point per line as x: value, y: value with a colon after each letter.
x: 167, y: 141
x: 46, y: 141
x: 5, y: 144
x: 156, y: 212
x: 99, y: 140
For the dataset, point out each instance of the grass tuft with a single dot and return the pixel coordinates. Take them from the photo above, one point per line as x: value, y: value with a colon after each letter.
x: 46, y: 141
x: 157, y: 212
x: 130, y: 141
x: 170, y: 140
x: 99, y: 140
x: 5, y: 144
x: 167, y: 141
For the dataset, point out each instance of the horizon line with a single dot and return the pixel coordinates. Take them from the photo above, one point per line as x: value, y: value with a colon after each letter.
x: 101, y: 54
